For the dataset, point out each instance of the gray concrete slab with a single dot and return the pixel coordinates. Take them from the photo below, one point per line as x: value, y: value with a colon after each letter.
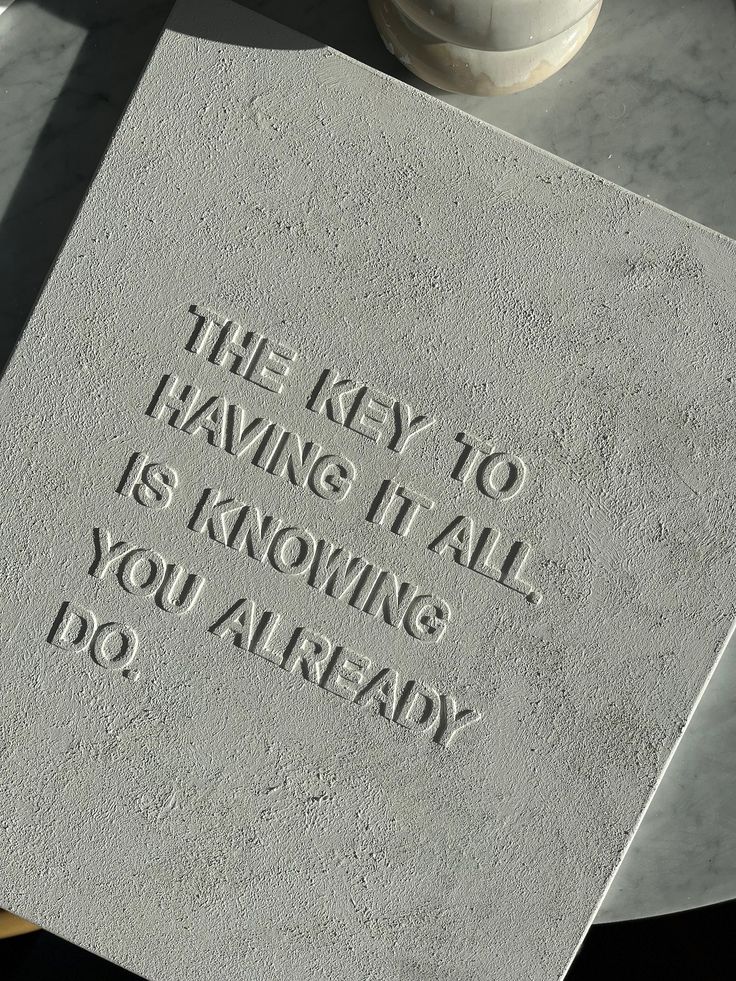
x: 363, y: 555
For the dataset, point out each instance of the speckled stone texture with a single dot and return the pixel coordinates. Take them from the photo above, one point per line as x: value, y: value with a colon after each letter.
x: 355, y: 649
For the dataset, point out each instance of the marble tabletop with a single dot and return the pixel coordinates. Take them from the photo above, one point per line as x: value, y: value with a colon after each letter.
x: 649, y: 103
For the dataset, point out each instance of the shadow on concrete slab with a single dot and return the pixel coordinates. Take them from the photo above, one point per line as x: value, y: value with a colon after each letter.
x: 119, y: 36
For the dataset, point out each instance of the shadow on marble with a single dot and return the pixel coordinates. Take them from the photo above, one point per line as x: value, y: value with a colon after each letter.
x: 237, y: 32
x: 343, y: 24
x: 120, y: 35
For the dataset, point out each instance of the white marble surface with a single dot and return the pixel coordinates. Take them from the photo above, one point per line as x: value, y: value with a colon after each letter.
x: 649, y: 103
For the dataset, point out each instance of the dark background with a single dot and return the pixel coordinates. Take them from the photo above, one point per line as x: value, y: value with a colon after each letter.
x: 692, y: 946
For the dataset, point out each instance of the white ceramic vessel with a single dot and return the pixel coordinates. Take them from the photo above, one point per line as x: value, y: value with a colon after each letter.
x: 484, y: 47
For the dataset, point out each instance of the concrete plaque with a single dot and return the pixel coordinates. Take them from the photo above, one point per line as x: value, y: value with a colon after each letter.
x: 367, y: 531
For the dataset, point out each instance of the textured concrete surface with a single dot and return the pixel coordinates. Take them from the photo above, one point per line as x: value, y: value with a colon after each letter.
x: 650, y: 108
x: 194, y: 743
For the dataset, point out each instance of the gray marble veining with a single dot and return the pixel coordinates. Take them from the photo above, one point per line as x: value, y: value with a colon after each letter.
x: 649, y: 103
